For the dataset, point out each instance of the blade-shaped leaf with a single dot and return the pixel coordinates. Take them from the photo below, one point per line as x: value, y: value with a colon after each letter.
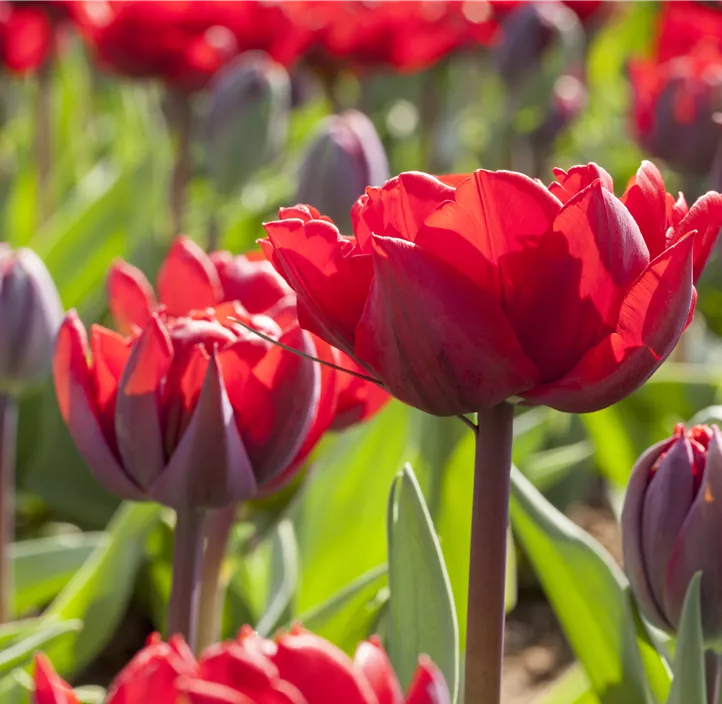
x: 586, y: 590
x: 422, y: 618
x: 44, y: 637
x: 688, y: 685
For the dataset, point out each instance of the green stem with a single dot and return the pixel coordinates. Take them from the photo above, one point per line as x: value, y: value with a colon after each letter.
x: 487, y: 566
x: 713, y: 672
x: 185, y: 590
x: 182, y: 123
x: 213, y: 587
x: 43, y: 140
x: 8, y: 439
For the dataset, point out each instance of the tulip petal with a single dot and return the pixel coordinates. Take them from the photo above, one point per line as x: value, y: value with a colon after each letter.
x: 50, y: 688
x: 696, y: 549
x: 371, y: 658
x: 210, y: 466
x: 398, y: 208
x: 436, y: 340
x: 130, y: 297
x: 632, y: 518
x: 329, y: 274
x: 76, y: 400
x: 652, y: 317
x: 319, y: 670
x: 110, y: 354
x: 201, y: 692
x: 428, y: 685
x: 569, y: 183
x: 646, y: 200
x: 667, y: 501
x: 188, y: 280
x: 705, y: 216
x: 357, y: 399
x: 138, y: 417
x: 280, y: 401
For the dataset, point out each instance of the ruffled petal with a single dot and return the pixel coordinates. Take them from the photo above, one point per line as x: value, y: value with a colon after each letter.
x: 357, y: 399
x: 428, y: 685
x: 138, y: 418
x: 569, y: 183
x: 210, y: 467
x: 76, y: 400
x: 436, y: 340
x: 328, y: 273
x: 188, y: 280
x: 130, y: 297
x: 197, y: 691
x: 372, y: 660
x: 646, y: 200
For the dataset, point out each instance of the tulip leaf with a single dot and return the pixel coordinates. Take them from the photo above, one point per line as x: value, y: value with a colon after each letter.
x: 422, y: 618
x: 12, y: 631
x: 42, y: 567
x: 283, y: 577
x: 349, y: 615
x: 587, y: 591
x: 99, y: 592
x: 572, y: 687
x: 688, y: 685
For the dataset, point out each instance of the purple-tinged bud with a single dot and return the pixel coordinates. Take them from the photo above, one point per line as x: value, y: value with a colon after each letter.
x: 30, y: 315
x: 671, y: 523
x: 345, y: 156
x: 246, y: 123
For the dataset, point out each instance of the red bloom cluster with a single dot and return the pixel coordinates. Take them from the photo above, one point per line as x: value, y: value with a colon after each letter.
x: 678, y: 93
x: 461, y: 292
x: 185, y: 385
x: 297, y: 667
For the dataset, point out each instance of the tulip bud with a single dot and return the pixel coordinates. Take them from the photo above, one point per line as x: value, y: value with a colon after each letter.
x: 247, y: 119
x: 344, y: 158
x: 30, y: 315
x: 671, y: 521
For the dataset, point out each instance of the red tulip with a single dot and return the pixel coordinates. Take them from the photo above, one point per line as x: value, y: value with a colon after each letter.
x: 190, y: 409
x: 49, y: 687
x: 297, y: 667
x: 457, y: 297
x: 685, y: 26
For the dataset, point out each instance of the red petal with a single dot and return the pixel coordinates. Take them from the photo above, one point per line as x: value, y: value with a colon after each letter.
x: 138, y: 418
x: 76, y: 399
x: 188, y: 280
x: 646, y: 200
x: 320, y: 671
x: 569, y: 183
x: 398, y: 208
x: 49, y: 687
x: 201, y: 692
x: 28, y: 39
x: 676, y: 209
x: 428, y: 686
x: 371, y: 658
x: 357, y: 399
x: 328, y: 273
x: 705, y: 216
x: 436, y: 340
x: 652, y: 317
x: 130, y: 297
x: 209, y: 467
x: 110, y: 355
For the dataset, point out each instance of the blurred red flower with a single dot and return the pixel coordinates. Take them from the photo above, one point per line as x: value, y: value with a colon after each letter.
x: 685, y: 25
x: 296, y: 667
x: 463, y: 292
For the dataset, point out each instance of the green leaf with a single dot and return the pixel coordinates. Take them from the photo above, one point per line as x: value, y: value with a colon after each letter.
x: 349, y: 615
x: 422, y: 618
x: 587, y: 591
x: 688, y: 685
x: 283, y: 577
x: 99, y: 592
x: 572, y: 687
x: 46, y: 636
x: 14, y: 630
x: 453, y: 524
x: 42, y: 567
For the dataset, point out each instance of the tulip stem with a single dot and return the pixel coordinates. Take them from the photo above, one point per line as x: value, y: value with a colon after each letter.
x: 487, y: 566
x: 43, y: 140
x: 8, y: 439
x: 210, y: 610
x: 185, y: 589
x: 713, y: 672
x: 181, y: 111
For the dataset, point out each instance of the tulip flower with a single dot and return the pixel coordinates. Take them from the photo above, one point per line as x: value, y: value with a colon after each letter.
x: 296, y: 667
x: 345, y: 156
x: 460, y: 293
x: 670, y: 516
x: 49, y: 686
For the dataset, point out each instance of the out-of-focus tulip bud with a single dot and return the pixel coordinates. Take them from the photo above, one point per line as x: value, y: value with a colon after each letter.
x: 296, y: 666
x: 345, y: 157
x: 528, y: 30
x: 30, y: 315
x: 671, y: 523
x: 50, y: 688
x: 674, y: 106
x: 247, y: 119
